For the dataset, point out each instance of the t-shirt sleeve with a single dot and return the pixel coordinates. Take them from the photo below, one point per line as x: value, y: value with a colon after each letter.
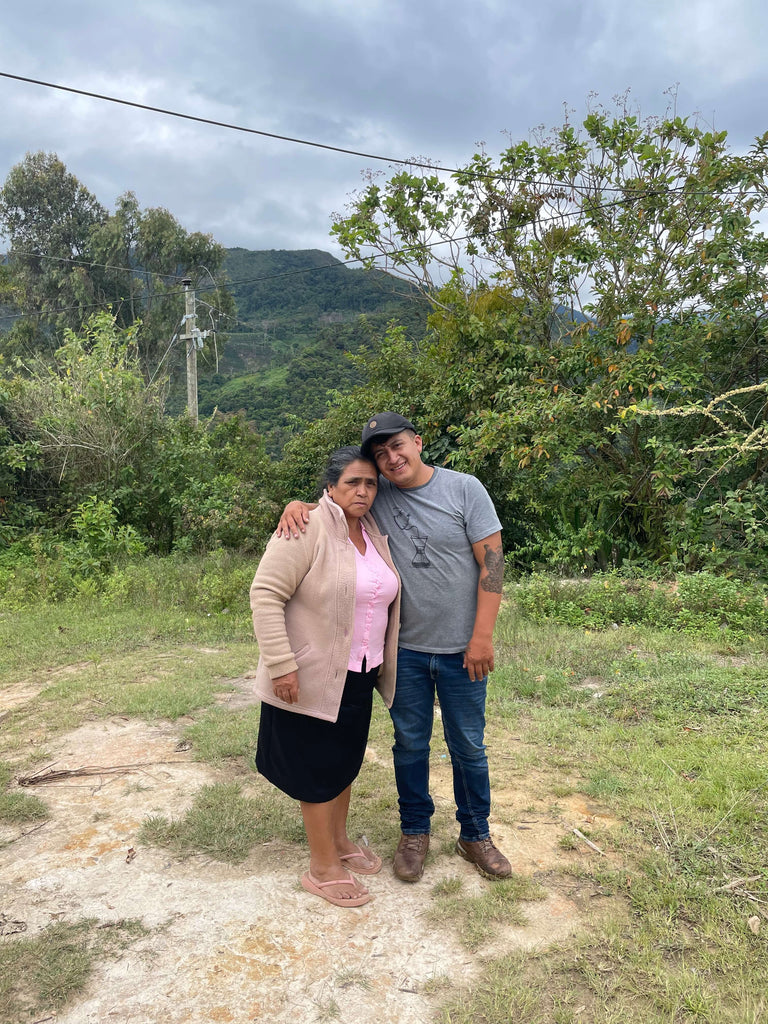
x: 480, y: 515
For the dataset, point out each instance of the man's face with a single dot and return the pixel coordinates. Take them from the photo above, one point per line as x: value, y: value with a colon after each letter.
x: 399, y: 460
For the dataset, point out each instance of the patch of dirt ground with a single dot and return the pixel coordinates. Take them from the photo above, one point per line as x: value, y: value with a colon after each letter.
x: 246, y: 943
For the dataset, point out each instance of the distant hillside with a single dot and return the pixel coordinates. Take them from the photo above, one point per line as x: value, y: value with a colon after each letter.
x: 287, y: 297
x: 298, y: 312
x: 277, y: 281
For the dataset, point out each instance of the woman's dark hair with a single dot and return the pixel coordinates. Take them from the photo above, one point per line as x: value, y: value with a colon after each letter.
x: 338, y: 462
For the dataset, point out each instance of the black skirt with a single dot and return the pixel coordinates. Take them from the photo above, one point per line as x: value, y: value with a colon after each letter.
x: 311, y: 759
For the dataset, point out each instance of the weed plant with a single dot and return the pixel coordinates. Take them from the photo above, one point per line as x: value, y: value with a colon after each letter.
x: 38, y: 573
x: 475, y: 917
x: 220, y: 735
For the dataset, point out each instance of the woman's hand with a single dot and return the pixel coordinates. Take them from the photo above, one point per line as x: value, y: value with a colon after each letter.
x: 286, y: 687
x: 294, y: 518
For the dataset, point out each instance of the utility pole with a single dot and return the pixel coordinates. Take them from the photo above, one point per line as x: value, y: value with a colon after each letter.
x: 193, y: 340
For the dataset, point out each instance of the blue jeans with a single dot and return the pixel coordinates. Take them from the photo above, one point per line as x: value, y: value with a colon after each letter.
x: 462, y: 705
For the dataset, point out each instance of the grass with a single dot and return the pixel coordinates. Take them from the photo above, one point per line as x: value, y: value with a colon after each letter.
x: 348, y: 977
x: 665, y: 729
x: 622, y: 978
x: 43, y: 973
x: 476, y: 917
x: 224, y: 824
x: 73, y: 632
x: 18, y: 808
x: 670, y: 734
x: 219, y: 735
x: 92, y: 659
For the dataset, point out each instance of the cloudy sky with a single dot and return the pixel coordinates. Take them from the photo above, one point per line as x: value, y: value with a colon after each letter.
x: 405, y: 78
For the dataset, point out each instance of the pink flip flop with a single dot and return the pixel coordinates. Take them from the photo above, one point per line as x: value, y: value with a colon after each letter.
x: 312, y: 885
x: 373, y: 861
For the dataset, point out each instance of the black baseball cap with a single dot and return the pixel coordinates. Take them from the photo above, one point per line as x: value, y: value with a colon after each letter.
x: 383, y: 424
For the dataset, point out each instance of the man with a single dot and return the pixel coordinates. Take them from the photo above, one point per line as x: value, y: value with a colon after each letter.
x: 445, y: 539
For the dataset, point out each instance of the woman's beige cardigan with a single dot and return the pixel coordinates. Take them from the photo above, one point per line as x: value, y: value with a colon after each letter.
x: 303, y: 603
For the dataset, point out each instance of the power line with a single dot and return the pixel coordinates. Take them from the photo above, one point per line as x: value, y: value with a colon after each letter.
x: 53, y: 312
x: 92, y: 263
x: 224, y: 124
x: 645, y: 193
x: 176, y: 292
x: 424, y: 164
x: 577, y: 216
x: 161, y: 274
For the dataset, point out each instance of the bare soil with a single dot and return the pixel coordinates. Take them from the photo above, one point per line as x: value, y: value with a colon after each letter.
x: 245, y: 943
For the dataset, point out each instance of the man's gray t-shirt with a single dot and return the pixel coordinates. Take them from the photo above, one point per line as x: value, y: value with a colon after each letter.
x: 431, y: 531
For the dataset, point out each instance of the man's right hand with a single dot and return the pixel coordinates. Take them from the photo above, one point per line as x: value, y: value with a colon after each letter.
x: 294, y: 519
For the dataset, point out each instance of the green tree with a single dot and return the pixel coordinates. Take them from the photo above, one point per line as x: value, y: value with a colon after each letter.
x: 47, y: 216
x: 69, y: 256
x: 211, y: 485
x: 84, y: 444
x: 598, y: 278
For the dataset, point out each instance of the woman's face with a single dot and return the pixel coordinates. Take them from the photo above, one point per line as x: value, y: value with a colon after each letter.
x: 356, y: 489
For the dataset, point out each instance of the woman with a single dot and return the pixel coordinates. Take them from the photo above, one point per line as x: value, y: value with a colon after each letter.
x: 326, y: 612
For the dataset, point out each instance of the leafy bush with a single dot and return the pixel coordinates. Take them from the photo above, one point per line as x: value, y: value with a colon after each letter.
x: 88, y: 418
x: 707, y: 601
x: 45, y: 567
x: 214, y: 583
x: 699, y: 602
x: 224, y: 583
x: 225, y: 512
x: 730, y: 534
x: 45, y: 570
x: 99, y: 536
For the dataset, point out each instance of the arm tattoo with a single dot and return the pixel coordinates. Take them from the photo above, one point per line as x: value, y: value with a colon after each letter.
x: 494, y: 570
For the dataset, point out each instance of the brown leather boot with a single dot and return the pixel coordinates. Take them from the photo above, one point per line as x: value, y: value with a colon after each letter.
x: 489, y: 861
x: 409, y: 857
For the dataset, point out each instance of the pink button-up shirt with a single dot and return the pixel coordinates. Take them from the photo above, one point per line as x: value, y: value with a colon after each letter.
x: 375, y: 591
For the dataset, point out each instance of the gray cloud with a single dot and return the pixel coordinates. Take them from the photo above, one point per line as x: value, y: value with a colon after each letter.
x: 401, y: 79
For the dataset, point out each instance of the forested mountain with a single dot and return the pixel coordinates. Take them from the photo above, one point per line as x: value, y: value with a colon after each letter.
x: 277, y: 281
x: 286, y: 298
x: 297, y: 313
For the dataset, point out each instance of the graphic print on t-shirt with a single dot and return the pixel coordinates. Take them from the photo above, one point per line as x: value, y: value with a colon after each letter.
x: 419, y: 540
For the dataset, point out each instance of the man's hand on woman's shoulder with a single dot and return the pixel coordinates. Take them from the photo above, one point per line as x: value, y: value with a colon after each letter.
x: 294, y: 519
